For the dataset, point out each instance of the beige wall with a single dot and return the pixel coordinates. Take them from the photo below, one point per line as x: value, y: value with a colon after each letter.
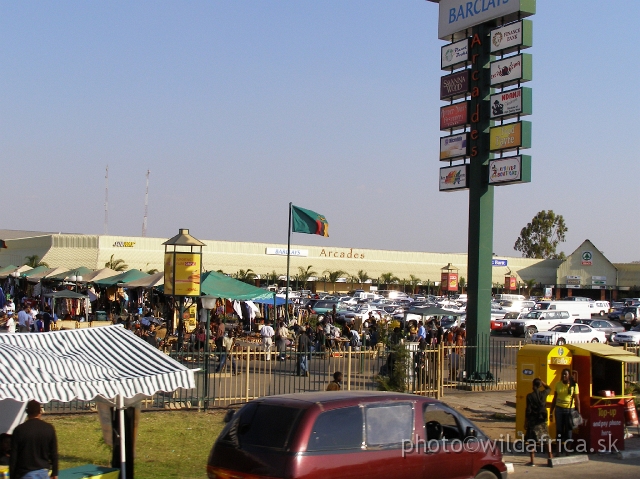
x: 93, y: 251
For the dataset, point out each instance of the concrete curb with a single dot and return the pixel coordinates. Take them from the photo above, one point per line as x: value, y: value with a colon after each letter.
x: 563, y: 461
x: 628, y: 454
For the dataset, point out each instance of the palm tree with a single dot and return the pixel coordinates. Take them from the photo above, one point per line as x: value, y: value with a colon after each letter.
x: 414, y: 281
x: 34, y: 261
x: 116, y: 264
x: 362, y: 277
x: 304, y: 274
x: 530, y: 284
x: 333, y: 276
x: 462, y: 283
x: 272, y: 278
x: 353, y: 278
x: 247, y: 276
x: 152, y: 271
x: 388, y: 278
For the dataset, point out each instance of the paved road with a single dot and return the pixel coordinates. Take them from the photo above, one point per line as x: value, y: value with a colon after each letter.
x: 598, y: 466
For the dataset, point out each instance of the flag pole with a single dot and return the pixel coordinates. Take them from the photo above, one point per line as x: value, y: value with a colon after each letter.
x: 286, y: 294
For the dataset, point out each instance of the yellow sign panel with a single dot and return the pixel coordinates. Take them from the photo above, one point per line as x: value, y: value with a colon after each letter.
x: 168, y: 273
x: 563, y: 361
x: 187, y: 274
x: 505, y: 137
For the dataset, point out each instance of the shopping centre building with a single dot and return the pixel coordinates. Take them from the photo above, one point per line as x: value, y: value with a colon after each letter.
x: 586, y: 269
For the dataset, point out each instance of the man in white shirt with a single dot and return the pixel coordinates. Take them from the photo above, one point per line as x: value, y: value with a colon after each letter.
x: 25, y: 320
x: 9, y: 307
x: 11, y: 323
x: 267, y: 334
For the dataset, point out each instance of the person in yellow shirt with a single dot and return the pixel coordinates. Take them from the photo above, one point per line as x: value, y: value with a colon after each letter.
x: 565, y: 399
x: 336, y: 384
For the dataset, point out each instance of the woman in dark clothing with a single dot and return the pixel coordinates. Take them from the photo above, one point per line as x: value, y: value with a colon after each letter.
x: 536, y: 417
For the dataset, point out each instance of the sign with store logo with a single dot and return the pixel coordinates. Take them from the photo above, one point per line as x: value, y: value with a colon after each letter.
x: 574, y: 280
x: 455, y: 16
x: 511, y: 103
x: 283, y: 252
x: 513, y: 169
x: 454, y: 86
x: 455, y: 54
x: 602, y: 280
x: 454, y: 116
x: 587, y: 258
x: 510, y: 136
x: 509, y: 38
x: 454, y: 178
x: 454, y: 146
x: 499, y: 262
x: 510, y: 70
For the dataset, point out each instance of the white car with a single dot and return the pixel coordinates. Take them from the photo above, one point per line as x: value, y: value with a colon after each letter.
x: 569, y: 333
x: 629, y: 337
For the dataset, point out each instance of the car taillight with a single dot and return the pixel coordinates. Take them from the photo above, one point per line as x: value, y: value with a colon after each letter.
x: 218, y: 473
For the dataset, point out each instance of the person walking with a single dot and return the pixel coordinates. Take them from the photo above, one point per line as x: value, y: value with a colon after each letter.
x: 24, y: 319
x: 281, y: 337
x: 34, y: 447
x: 535, y: 419
x: 336, y: 384
x: 304, y: 347
x: 564, y: 399
x: 267, y: 334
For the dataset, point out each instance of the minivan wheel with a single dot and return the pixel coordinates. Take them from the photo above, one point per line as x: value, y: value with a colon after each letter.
x: 484, y: 474
x: 601, y: 313
x: 531, y: 330
x: 561, y: 341
x: 595, y: 340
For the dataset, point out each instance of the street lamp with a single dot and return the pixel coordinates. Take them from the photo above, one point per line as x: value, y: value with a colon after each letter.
x: 182, y: 270
x: 75, y: 279
x: 208, y: 303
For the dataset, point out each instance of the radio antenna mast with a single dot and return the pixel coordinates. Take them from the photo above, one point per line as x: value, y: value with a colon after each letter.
x: 106, y: 201
x: 146, y: 206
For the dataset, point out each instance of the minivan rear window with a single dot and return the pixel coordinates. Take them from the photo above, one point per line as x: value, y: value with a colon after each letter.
x: 264, y: 425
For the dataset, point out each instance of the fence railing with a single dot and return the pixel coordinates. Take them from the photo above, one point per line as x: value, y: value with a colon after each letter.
x: 249, y: 373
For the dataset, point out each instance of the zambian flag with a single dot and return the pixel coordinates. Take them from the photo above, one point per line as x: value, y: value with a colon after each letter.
x: 307, y: 221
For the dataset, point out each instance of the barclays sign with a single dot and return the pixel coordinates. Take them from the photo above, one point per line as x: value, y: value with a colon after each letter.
x: 455, y: 16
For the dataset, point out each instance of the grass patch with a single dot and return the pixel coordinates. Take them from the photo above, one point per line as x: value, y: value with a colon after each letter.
x: 172, y: 444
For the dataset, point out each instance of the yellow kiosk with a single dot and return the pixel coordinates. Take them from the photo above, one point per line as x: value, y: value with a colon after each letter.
x: 599, y: 370
x: 546, y: 363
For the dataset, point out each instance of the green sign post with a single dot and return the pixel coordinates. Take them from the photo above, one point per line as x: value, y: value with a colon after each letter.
x: 478, y: 32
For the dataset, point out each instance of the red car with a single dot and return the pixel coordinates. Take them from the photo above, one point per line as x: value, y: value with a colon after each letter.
x: 354, y: 434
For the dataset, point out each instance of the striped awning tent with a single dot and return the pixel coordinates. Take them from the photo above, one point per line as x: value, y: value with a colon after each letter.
x: 85, y: 364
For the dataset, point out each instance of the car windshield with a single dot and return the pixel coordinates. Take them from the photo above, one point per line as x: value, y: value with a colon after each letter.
x: 561, y: 328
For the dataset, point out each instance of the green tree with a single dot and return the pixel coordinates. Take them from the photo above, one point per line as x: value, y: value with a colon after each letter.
x: 540, y: 238
x: 414, y: 281
x: 332, y: 276
x: 272, y: 278
x: 152, y: 271
x: 362, y: 277
x: 388, y: 279
x: 246, y: 276
x: 304, y: 274
x: 530, y: 285
x: 116, y: 264
x: 34, y: 261
x: 462, y: 283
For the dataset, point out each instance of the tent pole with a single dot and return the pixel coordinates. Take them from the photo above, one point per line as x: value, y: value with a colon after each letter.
x: 286, y: 294
x: 123, y: 452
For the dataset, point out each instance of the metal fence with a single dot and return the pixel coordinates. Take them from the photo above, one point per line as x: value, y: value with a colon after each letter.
x: 248, y: 373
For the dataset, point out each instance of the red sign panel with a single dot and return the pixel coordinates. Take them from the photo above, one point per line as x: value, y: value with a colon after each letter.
x: 449, y: 281
x: 456, y: 115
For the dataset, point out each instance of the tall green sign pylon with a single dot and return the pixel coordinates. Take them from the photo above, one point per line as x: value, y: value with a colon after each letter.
x: 480, y: 243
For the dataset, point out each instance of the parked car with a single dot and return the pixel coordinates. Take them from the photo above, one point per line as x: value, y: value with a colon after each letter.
x: 517, y: 306
x: 610, y: 328
x: 631, y: 337
x: 503, y: 325
x: 629, y: 315
x: 362, y: 311
x: 535, y: 321
x: 600, y: 308
x: 569, y: 333
x: 354, y: 434
x: 322, y: 307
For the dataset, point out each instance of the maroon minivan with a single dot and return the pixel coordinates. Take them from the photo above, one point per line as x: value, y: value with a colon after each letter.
x: 352, y: 434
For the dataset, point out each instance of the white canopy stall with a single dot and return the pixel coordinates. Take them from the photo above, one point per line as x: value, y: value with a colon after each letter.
x: 107, y: 363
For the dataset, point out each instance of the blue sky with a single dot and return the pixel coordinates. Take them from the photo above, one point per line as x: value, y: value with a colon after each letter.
x: 238, y: 108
